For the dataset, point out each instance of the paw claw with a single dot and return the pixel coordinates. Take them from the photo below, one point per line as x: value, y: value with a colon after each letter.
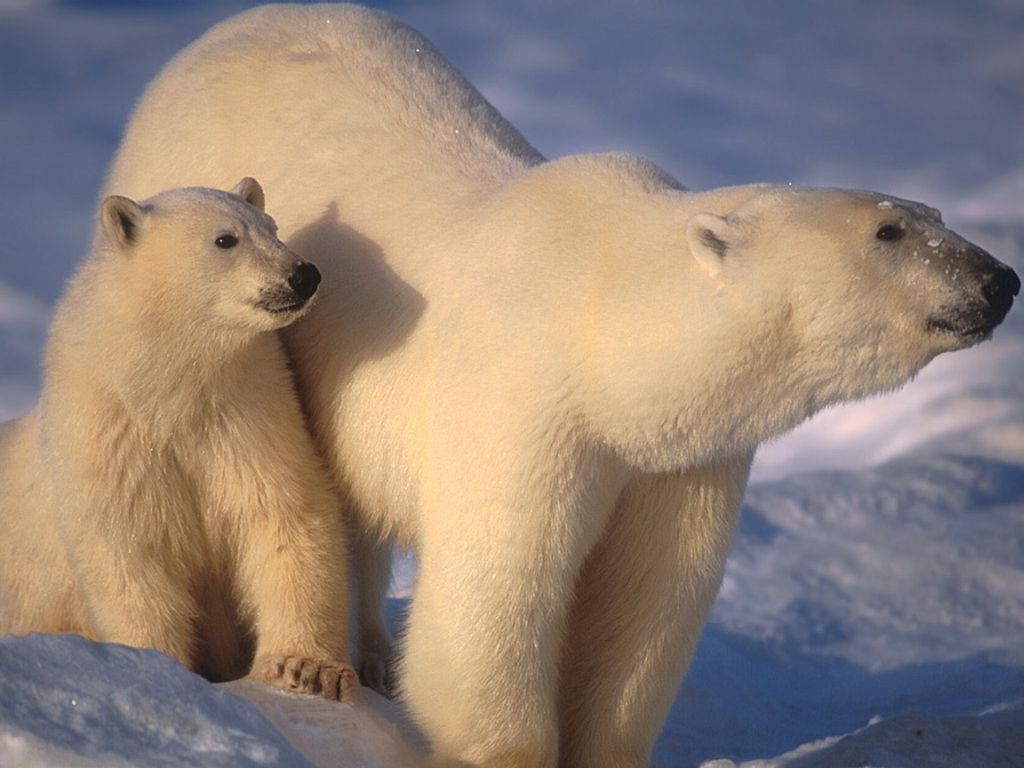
x: 293, y: 672
x: 348, y: 684
x: 329, y: 680
x: 309, y: 676
x: 268, y: 667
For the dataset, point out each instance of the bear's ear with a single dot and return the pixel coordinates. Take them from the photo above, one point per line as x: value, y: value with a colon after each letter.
x: 711, y: 238
x: 250, y: 190
x: 121, y: 219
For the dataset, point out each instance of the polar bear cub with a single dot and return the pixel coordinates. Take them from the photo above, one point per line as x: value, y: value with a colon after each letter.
x: 164, y: 492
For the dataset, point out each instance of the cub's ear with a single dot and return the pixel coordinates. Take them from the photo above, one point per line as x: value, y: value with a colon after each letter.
x: 121, y: 219
x: 711, y: 238
x: 250, y: 190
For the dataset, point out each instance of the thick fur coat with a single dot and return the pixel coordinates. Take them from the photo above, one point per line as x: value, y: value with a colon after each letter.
x: 548, y: 378
x: 164, y: 492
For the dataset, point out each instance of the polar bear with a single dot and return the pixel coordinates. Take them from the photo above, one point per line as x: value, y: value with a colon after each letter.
x: 165, y: 492
x: 547, y: 378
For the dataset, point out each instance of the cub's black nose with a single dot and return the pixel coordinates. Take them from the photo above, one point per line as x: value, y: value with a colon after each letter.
x: 304, y: 280
x: 999, y: 290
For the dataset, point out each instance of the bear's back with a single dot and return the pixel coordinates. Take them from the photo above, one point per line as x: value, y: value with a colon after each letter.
x: 353, y: 90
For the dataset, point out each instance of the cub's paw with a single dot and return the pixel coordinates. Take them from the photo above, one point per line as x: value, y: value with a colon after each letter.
x: 333, y: 680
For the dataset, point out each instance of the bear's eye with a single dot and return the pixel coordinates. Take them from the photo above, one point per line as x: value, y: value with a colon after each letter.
x: 889, y: 232
x: 226, y: 241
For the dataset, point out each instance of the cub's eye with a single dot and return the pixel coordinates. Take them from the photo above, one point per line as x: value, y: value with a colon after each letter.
x: 889, y: 232
x: 226, y: 241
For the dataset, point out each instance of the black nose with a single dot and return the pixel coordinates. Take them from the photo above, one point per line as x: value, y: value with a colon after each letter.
x: 999, y: 290
x: 304, y: 280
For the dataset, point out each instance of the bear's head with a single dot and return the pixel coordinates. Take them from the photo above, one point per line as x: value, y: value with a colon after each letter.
x: 211, y: 256
x: 871, y: 287
x: 834, y: 295
x: 701, y: 324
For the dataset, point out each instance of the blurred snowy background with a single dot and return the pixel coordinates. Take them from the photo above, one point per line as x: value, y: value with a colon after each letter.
x: 873, y: 608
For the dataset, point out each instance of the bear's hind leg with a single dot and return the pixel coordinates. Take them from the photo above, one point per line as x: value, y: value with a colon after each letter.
x: 372, y: 572
x: 137, y: 600
x: 642, y: 599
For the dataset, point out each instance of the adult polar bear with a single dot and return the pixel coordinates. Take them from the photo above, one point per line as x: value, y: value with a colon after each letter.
x: 547, y: 377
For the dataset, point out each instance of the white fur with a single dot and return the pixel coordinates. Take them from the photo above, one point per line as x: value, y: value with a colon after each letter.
x: 164, y: 492
x: 538, y: 374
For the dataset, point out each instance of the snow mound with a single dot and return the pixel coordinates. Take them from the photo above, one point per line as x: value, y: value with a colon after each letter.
x: 921, y: 559
x: 69, y: 702
x: 914, y: 741
x: 372, y: 733
x: 894, y: 592
x: 66, y: 702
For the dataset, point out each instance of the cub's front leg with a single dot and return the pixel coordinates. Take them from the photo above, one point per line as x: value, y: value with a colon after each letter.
x: 293, y: 572
x: 294, y: 567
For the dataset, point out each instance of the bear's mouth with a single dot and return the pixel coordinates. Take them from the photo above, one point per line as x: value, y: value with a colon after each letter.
x: 280, y: 301
x: 970, y: 326
x: 974, y: 319
x: 284, y: 308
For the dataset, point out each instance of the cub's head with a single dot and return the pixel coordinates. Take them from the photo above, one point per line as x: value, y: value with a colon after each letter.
x: 872, y: 287
x: 206, y: 255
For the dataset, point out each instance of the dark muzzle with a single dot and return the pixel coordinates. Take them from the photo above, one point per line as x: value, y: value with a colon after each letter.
x: 999, y: 288
x: 990, y: 287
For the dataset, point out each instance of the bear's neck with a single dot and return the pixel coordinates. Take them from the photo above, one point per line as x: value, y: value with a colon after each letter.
x: 175, y: 386
x: 168, y: 377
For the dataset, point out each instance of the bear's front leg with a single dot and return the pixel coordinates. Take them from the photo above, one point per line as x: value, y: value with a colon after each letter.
x: 499, y: 554
x: 296, y: 589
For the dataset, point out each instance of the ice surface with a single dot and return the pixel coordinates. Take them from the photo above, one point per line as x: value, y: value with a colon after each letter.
x: 372, y: 733
x: 991, y: 738
x: 67, y: 702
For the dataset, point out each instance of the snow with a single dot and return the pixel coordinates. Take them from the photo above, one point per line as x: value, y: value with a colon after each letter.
x: 991, y: 738
x: 373, y: 733
x: 873, y: 606
x: 66, y: 701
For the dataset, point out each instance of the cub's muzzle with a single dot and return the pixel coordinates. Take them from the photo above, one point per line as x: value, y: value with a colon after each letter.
x: 294, y: 293
x: 304, y: 280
